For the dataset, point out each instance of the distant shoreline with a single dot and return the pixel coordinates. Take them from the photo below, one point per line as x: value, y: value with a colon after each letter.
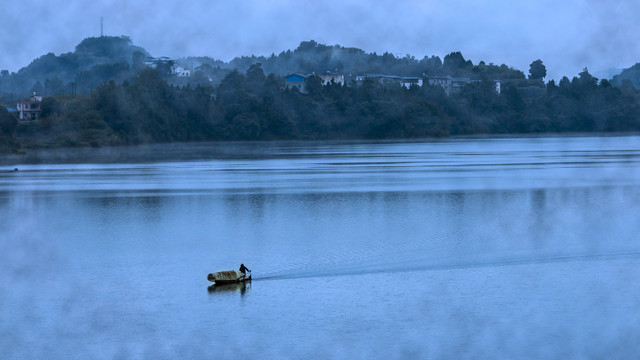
x: 233, y: 149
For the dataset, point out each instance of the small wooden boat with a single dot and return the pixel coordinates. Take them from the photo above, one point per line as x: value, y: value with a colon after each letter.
x: 229, y: 277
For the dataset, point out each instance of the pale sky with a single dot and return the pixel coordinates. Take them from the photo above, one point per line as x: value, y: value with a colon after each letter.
x: 567, y: 35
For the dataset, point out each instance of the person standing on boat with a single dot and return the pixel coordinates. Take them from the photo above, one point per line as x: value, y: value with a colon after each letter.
x: 244, y: 269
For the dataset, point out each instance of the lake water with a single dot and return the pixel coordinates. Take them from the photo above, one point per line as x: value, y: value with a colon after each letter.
x: 451, y: 249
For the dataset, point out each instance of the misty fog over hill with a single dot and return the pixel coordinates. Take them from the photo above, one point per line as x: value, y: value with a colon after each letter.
x: 111, y: 92
x: 99, y: 59
x: 106, y: 58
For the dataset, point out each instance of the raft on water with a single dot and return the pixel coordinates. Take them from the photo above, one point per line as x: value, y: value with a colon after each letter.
x: 229, y: 277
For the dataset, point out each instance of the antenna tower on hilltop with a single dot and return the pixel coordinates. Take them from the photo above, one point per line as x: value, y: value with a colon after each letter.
x: 101, y: 26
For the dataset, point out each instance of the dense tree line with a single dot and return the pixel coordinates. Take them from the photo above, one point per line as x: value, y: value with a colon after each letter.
x: 255, y: 106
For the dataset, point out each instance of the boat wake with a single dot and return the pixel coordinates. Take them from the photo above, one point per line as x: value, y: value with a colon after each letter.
x: 430, y: 265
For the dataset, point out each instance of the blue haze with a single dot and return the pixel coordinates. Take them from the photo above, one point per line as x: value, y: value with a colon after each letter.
x: 468, y: 249
x: 566, y: 35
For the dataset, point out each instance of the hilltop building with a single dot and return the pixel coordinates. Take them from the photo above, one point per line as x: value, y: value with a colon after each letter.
x: 296, y: 81
x: 328, y: 77
x: 452, y: 85
x: 179, y: 71
x: 153, y: 62
x: 405, y: 81
x: 30, y: 109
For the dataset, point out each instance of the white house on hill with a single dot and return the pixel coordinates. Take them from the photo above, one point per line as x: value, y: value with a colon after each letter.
x: 327, y: 78
x: 179, y: 71
x: 405, y: 81
x: 30, y: 109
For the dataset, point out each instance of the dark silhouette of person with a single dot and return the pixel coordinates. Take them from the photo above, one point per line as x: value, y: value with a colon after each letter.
x: 244, y: 269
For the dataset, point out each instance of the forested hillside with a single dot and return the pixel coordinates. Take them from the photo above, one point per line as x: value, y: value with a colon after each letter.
x: 138, y: 104
x: 94, y: 60
x: 631, y: 74
x: 100, y: 59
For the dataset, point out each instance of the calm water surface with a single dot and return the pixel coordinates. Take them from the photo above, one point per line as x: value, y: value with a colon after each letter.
x: 466, y: 249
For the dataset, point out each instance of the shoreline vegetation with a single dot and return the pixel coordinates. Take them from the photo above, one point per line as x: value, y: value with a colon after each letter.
x: 117, y: 100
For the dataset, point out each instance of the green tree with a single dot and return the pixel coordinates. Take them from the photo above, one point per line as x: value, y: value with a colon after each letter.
x: 50, y: 106
x: 587, y: 80
x: 537, y: 70
x: 314, y: 85
x: 255, y: 72
x: 164, y: 68
x: 8, y: 122
x: 53, y: 86
x: 455, y: 64
x: 137, y: 60
x: 8, y: 125
x: 37, y: 88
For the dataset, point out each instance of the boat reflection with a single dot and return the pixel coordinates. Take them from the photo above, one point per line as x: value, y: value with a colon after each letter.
x: 229, y: 288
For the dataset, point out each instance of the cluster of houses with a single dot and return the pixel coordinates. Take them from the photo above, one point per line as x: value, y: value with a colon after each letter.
x: 299, y: 81
x: 29, y: 110
x: 451, y: 85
